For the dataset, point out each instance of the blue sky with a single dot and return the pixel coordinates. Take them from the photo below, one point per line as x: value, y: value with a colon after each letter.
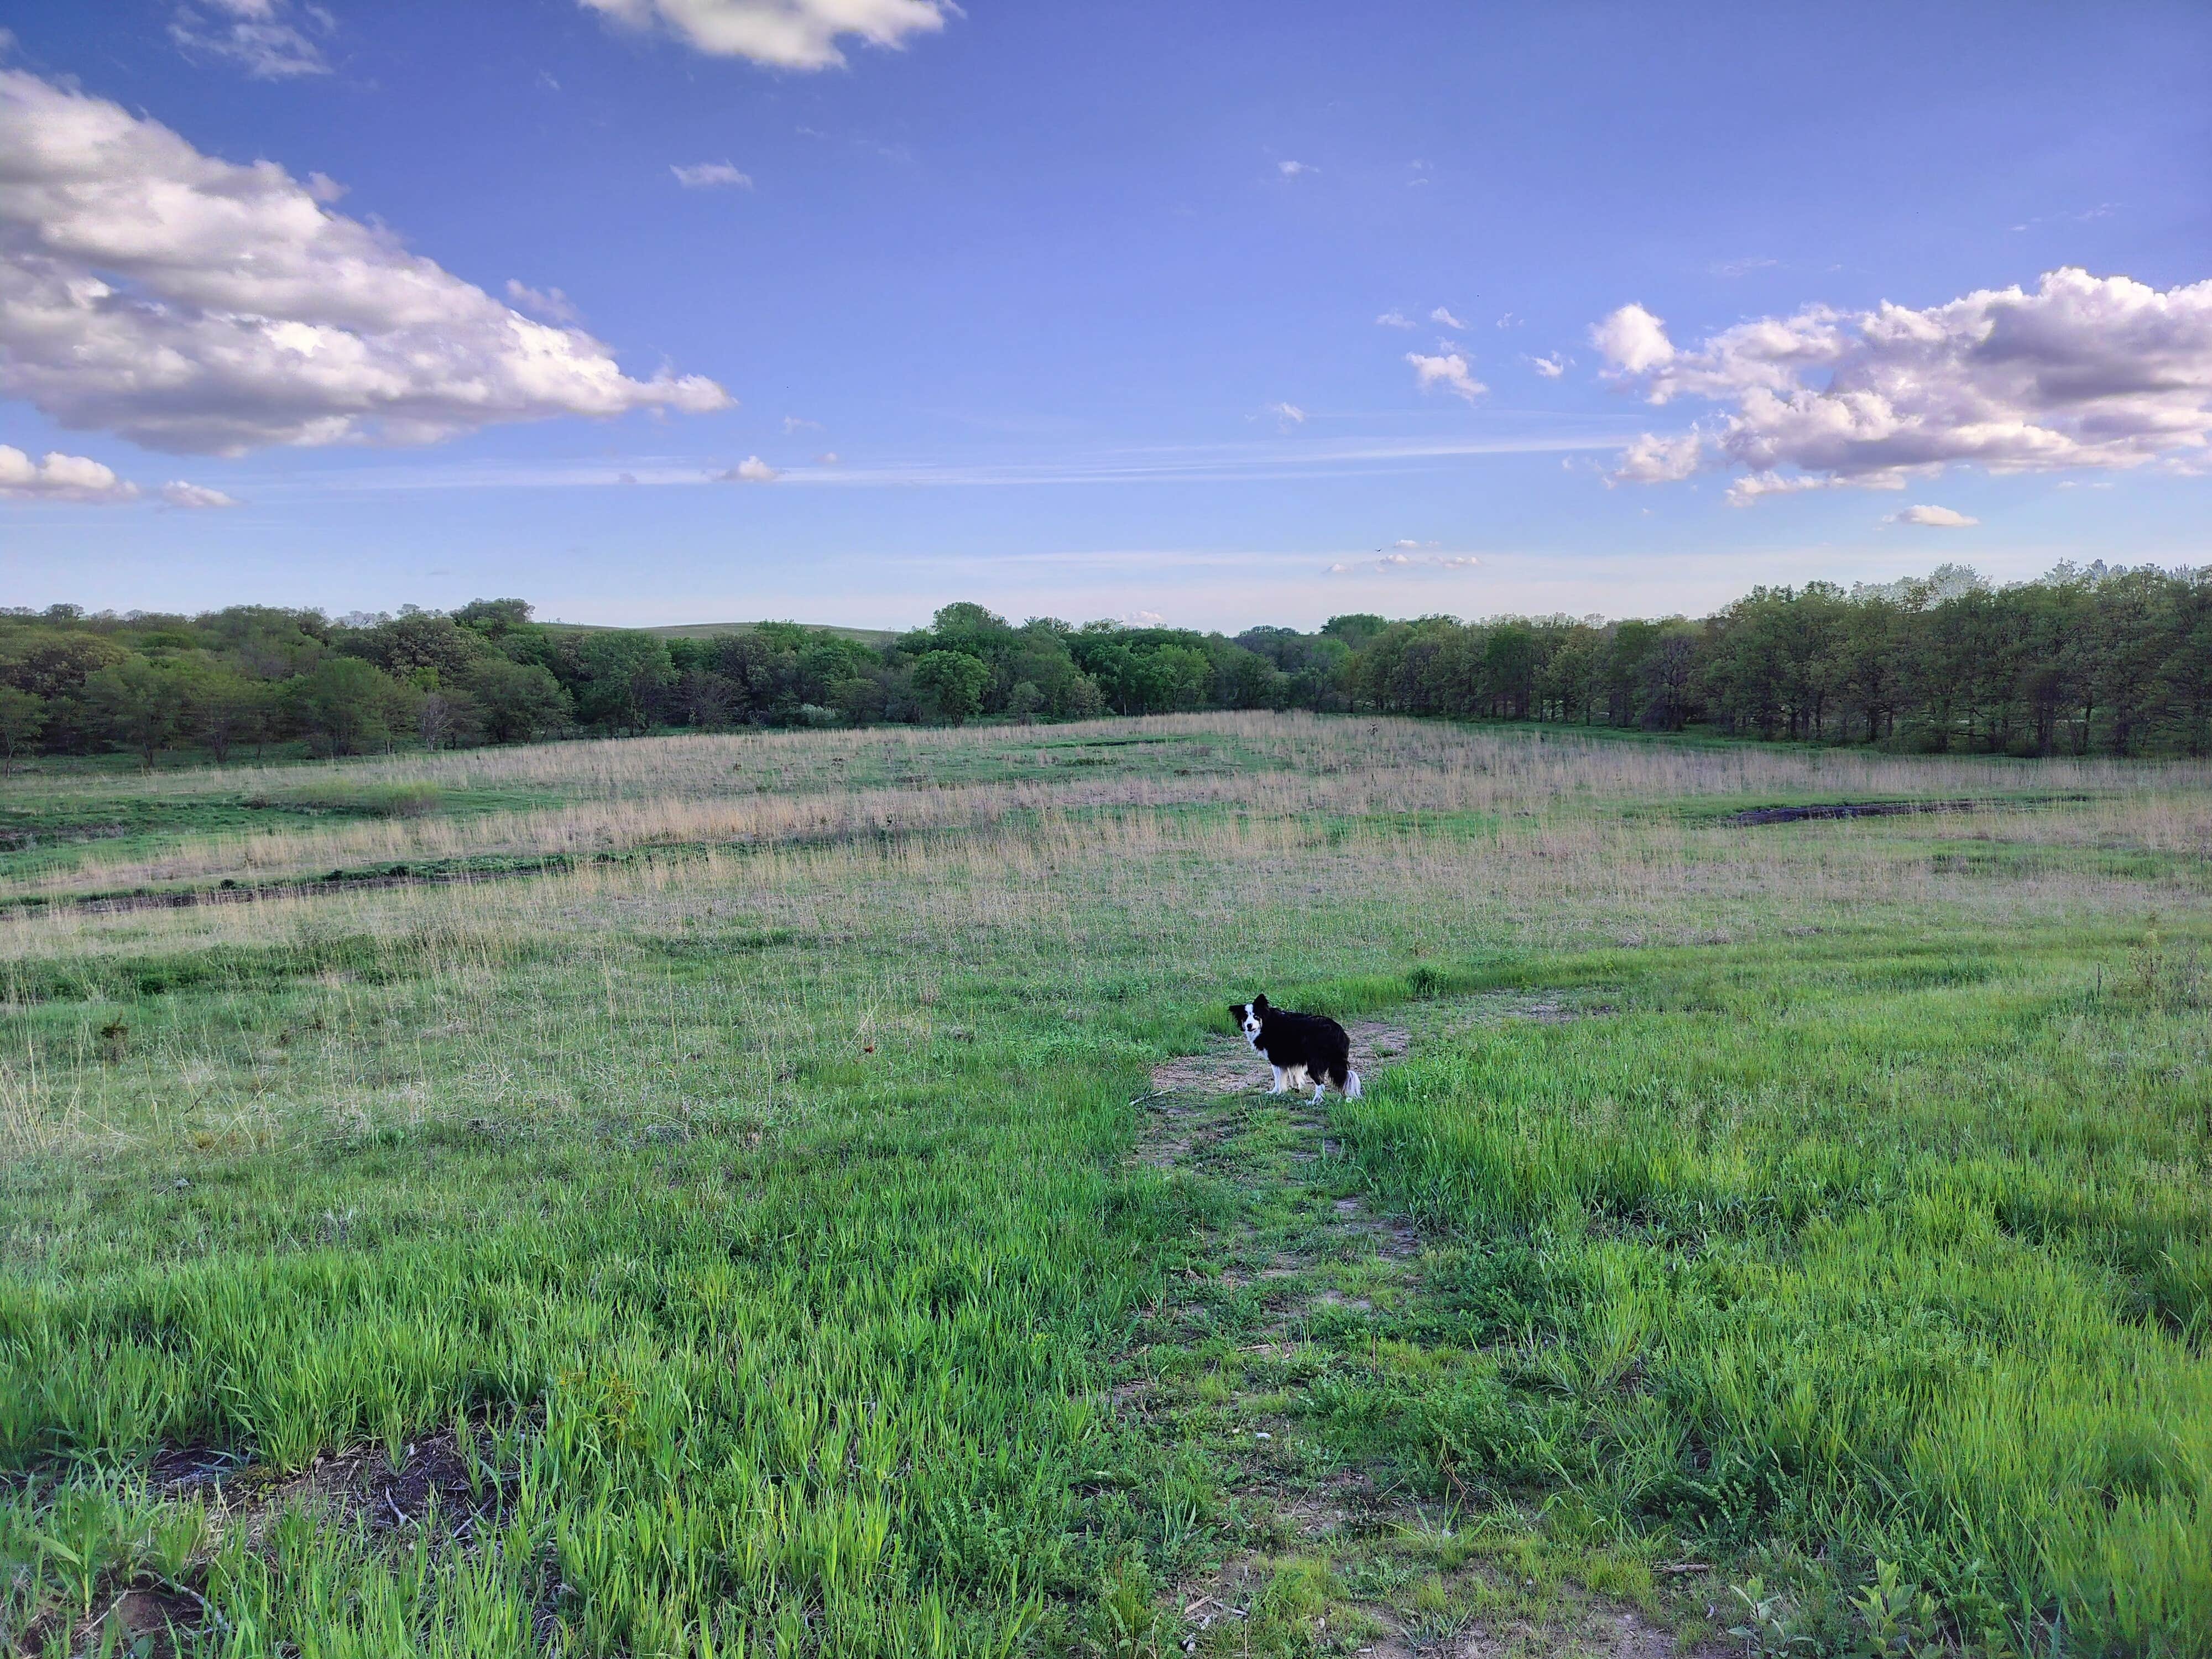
x: 1084, y: 301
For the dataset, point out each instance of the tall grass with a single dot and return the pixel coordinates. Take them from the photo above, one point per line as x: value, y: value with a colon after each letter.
x: 759, y: 1222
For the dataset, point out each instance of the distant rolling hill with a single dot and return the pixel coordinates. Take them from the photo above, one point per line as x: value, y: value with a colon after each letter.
x: 877, y: 637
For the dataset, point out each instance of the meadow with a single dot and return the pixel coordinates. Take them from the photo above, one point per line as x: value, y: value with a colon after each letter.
x: 796, y: 1192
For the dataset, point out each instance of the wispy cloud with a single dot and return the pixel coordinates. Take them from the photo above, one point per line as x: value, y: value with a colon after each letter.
x: 1551, y: 367
x: 1293, y: 169
x: 1287, y: 414
x: 1404, y: 557
x: 196, y: 497
x: 1197, y: 463
x: 800, y: 35
x: 711, y: 175
x: 1442, y: 315
x: 1396, y: 319
x: 254, y: 36
x: 548, y: 305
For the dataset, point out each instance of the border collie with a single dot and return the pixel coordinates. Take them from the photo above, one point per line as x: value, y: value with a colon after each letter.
x: 1302, y: 1048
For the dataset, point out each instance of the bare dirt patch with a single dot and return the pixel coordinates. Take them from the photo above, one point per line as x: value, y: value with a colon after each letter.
x: 433, y: 1473
x: 1604, y: 1631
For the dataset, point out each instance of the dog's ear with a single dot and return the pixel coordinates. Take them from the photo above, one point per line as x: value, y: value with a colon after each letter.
x: 1259, y: 1005
x: 1236, y: 1013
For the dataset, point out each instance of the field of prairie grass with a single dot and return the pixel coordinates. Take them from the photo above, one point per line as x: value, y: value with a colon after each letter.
x: 794, y: 1193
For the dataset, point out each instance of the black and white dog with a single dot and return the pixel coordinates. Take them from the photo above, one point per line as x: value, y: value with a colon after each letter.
x: 1302, y: 1048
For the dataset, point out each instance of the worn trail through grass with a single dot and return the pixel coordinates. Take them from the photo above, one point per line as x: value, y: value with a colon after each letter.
x: 1305, y: 1282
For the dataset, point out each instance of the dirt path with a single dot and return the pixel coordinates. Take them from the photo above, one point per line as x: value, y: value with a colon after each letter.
x: 1301, y: 1283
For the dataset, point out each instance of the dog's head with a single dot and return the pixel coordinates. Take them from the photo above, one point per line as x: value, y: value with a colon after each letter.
x: 1249, y: 1016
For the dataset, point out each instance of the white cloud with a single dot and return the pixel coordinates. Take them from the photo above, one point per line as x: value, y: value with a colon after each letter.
x: 1442, y: 315
x: 1398, y: 560
x: 1551, y: 368
x: 1287, y: 414
x: 1293, y: 169
x: 799, y: 423
x: 2081, y: 371
x: 828, y: 457
x: 1448, y: 371
x: 196, y: 305
x: 751, y: 470
x: 1632, y: 340
x: 1653, y: 460
x: 178, y: 493
x: 254, y: 36
x: 1936, y: 518
x: 785, y: 33
x: 59, y: 478
x: 1394, y: 319
x: 550, y: 304
x: 1753, y: 485
x: 711, y: 175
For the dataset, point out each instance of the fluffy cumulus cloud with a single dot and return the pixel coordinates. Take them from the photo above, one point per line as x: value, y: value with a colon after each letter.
x: 196, y: 305
x: 259, y: 36
x: 1633, y: 340
x: 1551, y: 366
x: 2081, y: 371
x: 1934, y: 518
x: 196, y: 497
x: 1448, y: 370
x: 801, y: 34
x: 711, y: 175
x: 751, y: 470
x: 59, y: 477
x: 1653, y: 460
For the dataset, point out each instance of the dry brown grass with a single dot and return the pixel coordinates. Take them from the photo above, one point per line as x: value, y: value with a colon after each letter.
x: 761, y: 789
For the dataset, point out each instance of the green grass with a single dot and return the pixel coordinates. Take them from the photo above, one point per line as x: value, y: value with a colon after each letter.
x: 779, y: 1246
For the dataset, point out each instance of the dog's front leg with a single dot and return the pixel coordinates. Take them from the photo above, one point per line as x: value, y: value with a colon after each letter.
x: 1278, y: 1089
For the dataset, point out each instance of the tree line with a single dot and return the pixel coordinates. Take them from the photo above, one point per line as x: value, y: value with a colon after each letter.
x: 2082, y: 660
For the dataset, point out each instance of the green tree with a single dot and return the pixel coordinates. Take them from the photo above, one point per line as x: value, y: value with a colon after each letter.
x: 345, y: 706
x: 22, y: 717
x: 954, y: 681
x: 627, y: 676
x: 517, y: 701
x: 141, y: 704
x: 229, y: 710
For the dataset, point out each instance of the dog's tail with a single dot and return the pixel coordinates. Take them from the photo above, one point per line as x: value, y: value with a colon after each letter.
x: 1351, y: 1085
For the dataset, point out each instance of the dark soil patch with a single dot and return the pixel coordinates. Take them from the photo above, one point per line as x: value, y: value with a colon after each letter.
x: 434, y: 1473
x: 1886, y: 809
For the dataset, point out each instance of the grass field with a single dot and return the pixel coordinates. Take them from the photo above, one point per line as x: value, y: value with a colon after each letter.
x: 797, y: 1194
